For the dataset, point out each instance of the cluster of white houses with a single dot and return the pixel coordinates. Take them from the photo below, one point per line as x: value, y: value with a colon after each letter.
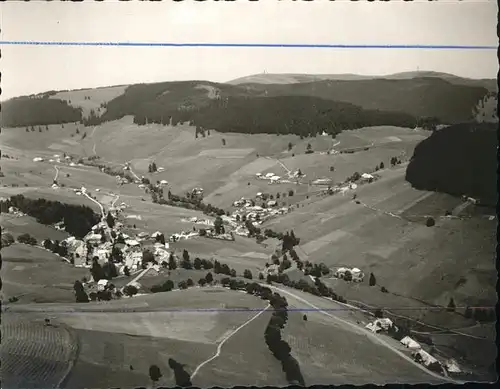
x: 418, y: 353
x: 354, y: 274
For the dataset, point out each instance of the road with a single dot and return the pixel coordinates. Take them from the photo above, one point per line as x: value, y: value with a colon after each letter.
x: 369, y: 334
x: 103, y: 214
x: 226, y: 338
x: 57, y: 173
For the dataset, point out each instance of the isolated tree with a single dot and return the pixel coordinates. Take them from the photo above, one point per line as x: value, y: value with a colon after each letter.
x: 290, y: 145
x: 130, y: 290
x: 81, y: 296
x: 182, y: 285
x: 309, y: 149
x: 154, y: 374
x: 96, y: 270
x: 186, y: 262
x: 197, y: 263
x: 451, y: 305
x: 430, y: 222
x: 304, y: 317
x: 189, y: 282
x: 209, y: 278
x: 382, y: 165
x: 218, y: 225
x: 172, y: 264
x: 372, y: 281
x: 223, y: 142
x: 110, y: 220
x: 247, y: 274
x: 232, y: 273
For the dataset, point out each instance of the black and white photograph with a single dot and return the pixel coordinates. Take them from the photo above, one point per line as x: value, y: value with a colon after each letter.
x: 218, y: 194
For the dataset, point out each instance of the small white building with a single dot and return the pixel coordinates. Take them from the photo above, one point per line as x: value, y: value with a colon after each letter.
x: 37, y: 159
x: 163, y: 182
x: 452, y: 366
x: 379, y: 325
x: 102, y: 284
x: 424, y: 358
x: 269, y: 175
x: 132, y: 242
x: 367, y: 176
x: 410, y: 343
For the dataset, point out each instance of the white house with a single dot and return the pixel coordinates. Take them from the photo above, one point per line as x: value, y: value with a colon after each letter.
x: 132, y: 242
x: 269, y: 175
x: 452, y: 366
x: 101, y: 284
x: 367, y: 176
x: 37, y: 159
x: 379, y: 325
x: 424, y: 357
x: 410, y: 343
x: 93, y: 238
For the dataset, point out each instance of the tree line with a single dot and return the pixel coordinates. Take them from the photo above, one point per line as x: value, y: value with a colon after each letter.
x: 25, y: 111
x: 299, y: 115
x: 458, y: 160
x: 78, y: 219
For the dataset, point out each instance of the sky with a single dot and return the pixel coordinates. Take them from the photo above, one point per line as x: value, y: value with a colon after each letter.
x: 30, y: 69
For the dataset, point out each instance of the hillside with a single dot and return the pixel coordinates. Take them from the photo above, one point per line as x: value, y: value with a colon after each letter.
x: 418, y: 97
x: 459, y: 160
x: 290, y: 78
x: 445, y: 98
x: 298, y: 115
x: 31, y: 111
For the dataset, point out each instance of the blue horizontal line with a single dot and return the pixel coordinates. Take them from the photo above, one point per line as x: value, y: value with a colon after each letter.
x: 269, y: 45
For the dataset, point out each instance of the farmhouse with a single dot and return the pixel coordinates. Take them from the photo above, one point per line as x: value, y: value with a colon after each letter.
x: 102, y: 284
x: 323, y: 181
x: 93, y: 238
x: 424, y: 358
x: 379, y: 325
x: 410, y: 343
x: 132, y: 259
x: 452, y: 366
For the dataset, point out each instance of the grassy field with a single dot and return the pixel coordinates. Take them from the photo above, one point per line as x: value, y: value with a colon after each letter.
x: 77, y: 98
x: 29, y: 274
x: 406, y: 257
x: 33, y: 353
x: 164, y: 325
x: 332, y: 352
x: 26, y: 224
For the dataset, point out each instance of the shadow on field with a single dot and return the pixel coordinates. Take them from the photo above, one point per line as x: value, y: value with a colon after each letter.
x: 182, y: 377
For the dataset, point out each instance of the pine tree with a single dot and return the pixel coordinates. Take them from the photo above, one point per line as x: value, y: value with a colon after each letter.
x: 373, y: 280
x: 451, y: 305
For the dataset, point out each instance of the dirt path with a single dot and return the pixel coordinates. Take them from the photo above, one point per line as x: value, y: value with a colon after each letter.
x: 57, y: 173
x: 226, y: 338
